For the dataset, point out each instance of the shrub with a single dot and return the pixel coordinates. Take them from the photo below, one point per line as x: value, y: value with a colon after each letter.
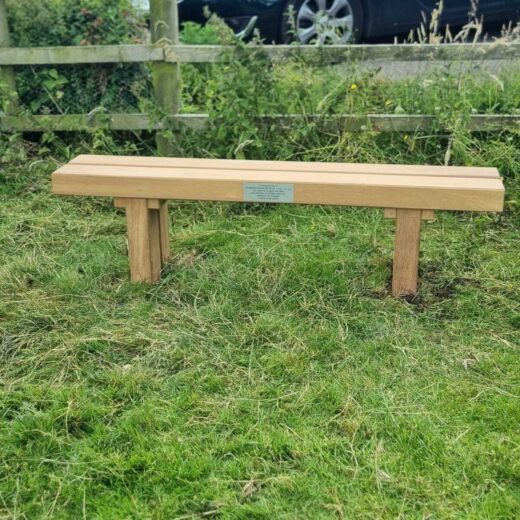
x: 78, y: 88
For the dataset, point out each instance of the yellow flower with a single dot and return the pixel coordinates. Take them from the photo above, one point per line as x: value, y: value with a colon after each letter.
x: 353, y: 86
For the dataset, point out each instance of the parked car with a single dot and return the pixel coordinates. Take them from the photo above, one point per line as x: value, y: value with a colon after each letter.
x: 340, y: 21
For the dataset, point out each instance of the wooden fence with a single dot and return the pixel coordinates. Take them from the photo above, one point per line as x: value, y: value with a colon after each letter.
x: 166, y: 55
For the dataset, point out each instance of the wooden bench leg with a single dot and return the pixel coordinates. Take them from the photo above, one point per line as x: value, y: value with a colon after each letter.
x: 143, y: 241
x: 406, y: 255
x: 148, y: 236
x: 144, y: 249
x: 164, y: 231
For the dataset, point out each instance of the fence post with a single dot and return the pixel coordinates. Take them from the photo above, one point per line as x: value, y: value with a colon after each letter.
x: 7, y: 73
x: 164, y: 20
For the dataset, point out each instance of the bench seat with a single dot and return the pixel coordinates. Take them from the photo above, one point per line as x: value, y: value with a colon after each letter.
x: 424, y: 187
x: 409, y: 193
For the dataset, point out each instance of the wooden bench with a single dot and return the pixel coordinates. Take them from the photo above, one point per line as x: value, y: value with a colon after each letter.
x: 142, y: 185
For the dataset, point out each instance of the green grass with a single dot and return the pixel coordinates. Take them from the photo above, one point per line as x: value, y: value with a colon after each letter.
x: 269, y: 374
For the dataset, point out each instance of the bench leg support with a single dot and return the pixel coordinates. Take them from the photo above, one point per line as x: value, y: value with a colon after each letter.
x: 148, y: 241
x: 406, y: 255
x: 164, y: 230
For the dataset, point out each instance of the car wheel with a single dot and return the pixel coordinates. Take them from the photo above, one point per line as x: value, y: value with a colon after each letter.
x: 322, y: 21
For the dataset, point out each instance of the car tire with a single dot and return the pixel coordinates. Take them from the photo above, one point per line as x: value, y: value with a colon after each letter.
x: 293, y: 28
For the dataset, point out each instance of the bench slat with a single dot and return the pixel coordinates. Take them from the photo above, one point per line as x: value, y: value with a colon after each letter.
x: 352, y: 189
x: 288, y: 166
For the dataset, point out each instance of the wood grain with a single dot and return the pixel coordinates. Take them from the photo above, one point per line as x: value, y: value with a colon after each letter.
x: 7, y: 74
x: 286, y: 166
x: 427, y: 214
x: 406, y: 254
x: 158, y: 231
x: 310, y: 187
x: 144, y: 249
x: 164, y: 231
x: 81, y: 54
x: 349, y: 53
x: 154, y: 226
x: 166, y: 76
x: 410, y: 193
x: 213, y: 53
x: 138, y: 240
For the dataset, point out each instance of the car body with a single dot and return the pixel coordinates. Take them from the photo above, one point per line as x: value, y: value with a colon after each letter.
x: 375, y: 18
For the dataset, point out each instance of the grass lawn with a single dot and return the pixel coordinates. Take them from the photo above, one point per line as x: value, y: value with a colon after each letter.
x: 268, y: 375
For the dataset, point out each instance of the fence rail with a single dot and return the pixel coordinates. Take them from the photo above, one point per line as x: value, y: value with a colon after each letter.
x: 12, y: 56
x: 352, y: 123
x: 166, y: 57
